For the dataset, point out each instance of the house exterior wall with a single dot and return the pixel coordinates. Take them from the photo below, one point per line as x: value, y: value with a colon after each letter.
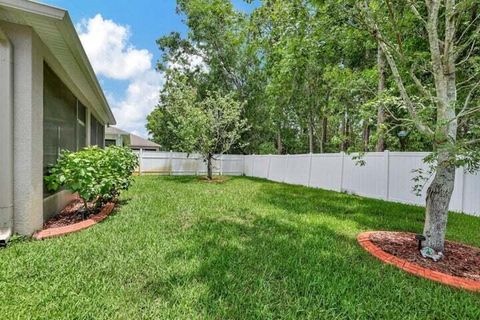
x: 29, y: 54
x: 6, y: 140
x: 28, y: 128
x: 117, y: 137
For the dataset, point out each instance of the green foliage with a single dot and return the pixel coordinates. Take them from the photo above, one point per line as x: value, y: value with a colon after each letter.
x: 117, y: 166
x: 185, y: 121
x: 306, y: 69
x: 95, y: 174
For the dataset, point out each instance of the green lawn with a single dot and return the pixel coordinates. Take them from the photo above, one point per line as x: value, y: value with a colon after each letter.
x: 181, y: 248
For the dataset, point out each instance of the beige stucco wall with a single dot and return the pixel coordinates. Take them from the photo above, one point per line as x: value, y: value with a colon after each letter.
x: 6, y: 140
x: 29, y: 54
x: 28, y: 128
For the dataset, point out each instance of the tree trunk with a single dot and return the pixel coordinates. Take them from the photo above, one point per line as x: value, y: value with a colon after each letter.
x: 344, y: 132
x: 324, y: 137
x: 209, y: 167
x: 366, y: 138
x: 443, y: 66
x: 310, y: 136
x: 438, y: 199
x: 381, y: 111
x: 279, y: 142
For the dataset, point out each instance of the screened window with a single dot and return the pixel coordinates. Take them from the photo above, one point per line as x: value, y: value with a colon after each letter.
x: 110, y: 142
x: 97, y: 132
x: 64, y: 119
x: 59, y: 118
x: 81, y: 126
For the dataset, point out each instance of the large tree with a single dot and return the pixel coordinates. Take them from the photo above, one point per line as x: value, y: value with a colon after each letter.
x: 451, y: 31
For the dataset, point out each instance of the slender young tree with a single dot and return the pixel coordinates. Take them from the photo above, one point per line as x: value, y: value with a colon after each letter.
x: 209, y: 125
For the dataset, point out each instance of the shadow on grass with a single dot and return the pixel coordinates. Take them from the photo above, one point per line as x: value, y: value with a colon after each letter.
x: 369, y: 214
x: 255, y: 267
x: 250, y: 266
x: 270, y: 257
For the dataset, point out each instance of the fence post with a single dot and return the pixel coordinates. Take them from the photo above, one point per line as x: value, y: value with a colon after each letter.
x: 170, y: 165
x: 310, y: 170
x: 140, y: 162
x: 342, y: 154
x: 386, y: 155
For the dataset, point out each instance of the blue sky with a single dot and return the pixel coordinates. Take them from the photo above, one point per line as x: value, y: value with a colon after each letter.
x: 119, y: 37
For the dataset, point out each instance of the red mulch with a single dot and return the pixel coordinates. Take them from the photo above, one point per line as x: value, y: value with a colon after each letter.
x: 69, y: 215
x: 460, y: 260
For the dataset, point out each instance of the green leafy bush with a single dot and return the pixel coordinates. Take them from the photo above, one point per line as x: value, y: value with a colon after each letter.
x: 97, y: 175
x: 117, y: 167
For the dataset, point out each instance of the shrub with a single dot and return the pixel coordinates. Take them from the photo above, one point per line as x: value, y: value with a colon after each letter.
x: 97, y: 175
x: 116, y: 168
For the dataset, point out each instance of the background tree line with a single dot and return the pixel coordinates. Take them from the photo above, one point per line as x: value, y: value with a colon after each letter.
x: 311, y: 75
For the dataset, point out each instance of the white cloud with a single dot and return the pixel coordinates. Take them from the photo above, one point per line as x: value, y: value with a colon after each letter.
x: 189, y: 62
x: 108, y: 47
x: 140, y: 99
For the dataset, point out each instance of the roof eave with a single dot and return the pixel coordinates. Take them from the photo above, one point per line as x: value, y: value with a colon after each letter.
x: 73, y: 40
x: 36, y: 8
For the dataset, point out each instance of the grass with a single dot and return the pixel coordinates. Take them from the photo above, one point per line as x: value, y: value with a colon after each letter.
x: 181, y: 248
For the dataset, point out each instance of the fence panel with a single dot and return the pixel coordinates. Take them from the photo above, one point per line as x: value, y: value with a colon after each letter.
x: 248, y: 165
x: 231, y: 165
x: 471, y: 194
x: 400, y: 177
x: 369, y: 179
x: 260, y: 168
x: 155, y: 163
x: 278, y: 167
x: 297, y: 169
x: 326, y: 171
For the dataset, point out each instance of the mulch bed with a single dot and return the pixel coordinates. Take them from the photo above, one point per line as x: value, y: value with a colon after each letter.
x: 460, y: 260
x: 215, y: 179
x: 69, y: 215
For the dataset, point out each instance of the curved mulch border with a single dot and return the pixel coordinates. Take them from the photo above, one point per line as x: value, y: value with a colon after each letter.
x: 458, y: 282
x: 61, y: 231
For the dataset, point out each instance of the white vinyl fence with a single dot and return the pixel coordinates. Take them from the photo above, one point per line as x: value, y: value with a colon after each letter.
x: 178, y: 163
x: 385, y: 175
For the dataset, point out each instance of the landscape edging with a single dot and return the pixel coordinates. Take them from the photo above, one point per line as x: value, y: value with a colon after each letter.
x: 76, y: 227
x: 458, y: 282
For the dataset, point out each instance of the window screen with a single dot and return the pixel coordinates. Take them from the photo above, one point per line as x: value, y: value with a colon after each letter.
x: 81, y: 126
x: 64, y: 119
x: 97, y: 132
x: 59, y: 118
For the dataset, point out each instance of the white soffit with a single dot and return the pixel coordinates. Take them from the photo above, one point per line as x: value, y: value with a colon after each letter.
x: 56, y: 30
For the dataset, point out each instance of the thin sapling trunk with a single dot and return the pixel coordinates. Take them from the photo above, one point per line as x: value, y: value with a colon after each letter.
x: 209, y: 166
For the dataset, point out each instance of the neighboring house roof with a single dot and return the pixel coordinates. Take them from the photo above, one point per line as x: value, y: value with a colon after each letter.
x: 57, y: 32
x: 134, y: 140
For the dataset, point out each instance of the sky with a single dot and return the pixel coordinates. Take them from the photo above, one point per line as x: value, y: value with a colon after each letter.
x: 119, y: 38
